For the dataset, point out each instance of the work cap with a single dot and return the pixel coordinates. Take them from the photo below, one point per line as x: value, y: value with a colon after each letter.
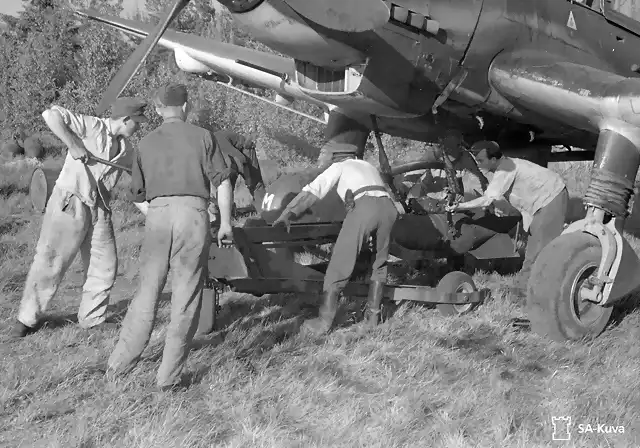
x: 484, y: 144
x: 171, y: 95
x: 129, y: 107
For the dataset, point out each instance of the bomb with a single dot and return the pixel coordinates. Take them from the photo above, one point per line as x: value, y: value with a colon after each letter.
x: 417, y: 232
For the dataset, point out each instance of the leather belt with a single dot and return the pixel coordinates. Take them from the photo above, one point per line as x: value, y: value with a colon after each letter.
x: 349, y: 196
x: 369, y: 188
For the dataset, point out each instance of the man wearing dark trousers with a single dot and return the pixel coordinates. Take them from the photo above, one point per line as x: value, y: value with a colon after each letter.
x: 240, y: 155
x: 371, y: 212
x: 175, y: 166
x: 539, y: 194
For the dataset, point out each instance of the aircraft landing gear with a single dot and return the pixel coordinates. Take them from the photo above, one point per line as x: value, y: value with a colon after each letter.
x: 579, y: 276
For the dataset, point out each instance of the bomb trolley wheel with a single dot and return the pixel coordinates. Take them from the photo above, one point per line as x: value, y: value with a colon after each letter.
x: 554, y: 303
x: 454, y: 283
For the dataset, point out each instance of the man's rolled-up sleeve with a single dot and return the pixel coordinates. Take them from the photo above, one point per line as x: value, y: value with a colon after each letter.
x: 138, y: 192
x: 236, y: 140
x: 216, y: 169
x: 323, y: 184
x: 500, y: 183
x: 77, y: 123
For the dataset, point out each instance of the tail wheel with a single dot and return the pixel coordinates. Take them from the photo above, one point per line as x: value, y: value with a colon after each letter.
x: 554, y: 305
x: 456, y: 282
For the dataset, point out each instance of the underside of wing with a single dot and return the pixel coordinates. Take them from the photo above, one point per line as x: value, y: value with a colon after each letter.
x: 222, y: 62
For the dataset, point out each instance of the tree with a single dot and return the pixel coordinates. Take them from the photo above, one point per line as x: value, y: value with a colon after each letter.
x: 50, y: 58
x: 38, y: 61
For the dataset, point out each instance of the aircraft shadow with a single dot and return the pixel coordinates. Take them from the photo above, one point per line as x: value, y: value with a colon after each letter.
x: 296, y: 144
x: 624, y: 308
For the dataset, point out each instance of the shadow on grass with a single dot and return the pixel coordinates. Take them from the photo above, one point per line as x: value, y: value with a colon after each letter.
x: 115, y: 314
x: 626, y: 307
x: 484, y: 344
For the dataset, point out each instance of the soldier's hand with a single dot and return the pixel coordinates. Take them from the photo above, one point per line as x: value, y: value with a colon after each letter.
x: 224, y: 233
x: 79, y: 153
x: 284, y: 219
x: 499, y: 213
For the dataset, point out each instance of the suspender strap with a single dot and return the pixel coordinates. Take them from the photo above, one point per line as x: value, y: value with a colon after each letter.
x: 369, y: 188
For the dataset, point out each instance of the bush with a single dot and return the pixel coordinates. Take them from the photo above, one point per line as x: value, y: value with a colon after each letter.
x: 11, y: 149
x: 33, y: 147
x: 47, y: 58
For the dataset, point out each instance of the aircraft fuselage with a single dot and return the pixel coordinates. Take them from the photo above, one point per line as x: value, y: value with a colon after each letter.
x: 464, y: 47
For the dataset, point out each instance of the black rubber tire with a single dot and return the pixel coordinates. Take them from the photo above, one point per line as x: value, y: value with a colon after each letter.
x: 456, y: 281
x: 553, y: 287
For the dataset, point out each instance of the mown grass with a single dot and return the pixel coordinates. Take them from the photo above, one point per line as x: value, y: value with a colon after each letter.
x: 419, y: 380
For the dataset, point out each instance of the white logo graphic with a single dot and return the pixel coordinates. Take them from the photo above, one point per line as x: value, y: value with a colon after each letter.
x: 267, y: 201
x: 571, y: 23
x: 561, y: 428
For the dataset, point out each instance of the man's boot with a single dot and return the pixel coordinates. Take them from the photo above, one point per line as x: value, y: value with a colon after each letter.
x: 322, y: 323
x: 372, y: 315
x: 20, y: 330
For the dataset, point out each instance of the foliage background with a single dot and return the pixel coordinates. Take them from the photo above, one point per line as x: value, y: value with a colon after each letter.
x: 48, y: 55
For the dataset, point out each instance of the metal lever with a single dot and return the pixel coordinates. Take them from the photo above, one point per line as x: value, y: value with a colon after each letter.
x: 455, y: 82
x: 109, y: 163
x: 385, y: 167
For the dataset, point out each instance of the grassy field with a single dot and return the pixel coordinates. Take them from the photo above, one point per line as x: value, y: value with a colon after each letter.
x: 418, y: 380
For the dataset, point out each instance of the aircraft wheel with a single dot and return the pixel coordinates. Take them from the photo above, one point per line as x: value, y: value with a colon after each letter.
x: 456, y: 282
x: 554, y: 305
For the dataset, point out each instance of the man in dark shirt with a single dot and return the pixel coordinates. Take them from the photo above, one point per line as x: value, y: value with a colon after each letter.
x: 240, y: 155
x: 173, y: 171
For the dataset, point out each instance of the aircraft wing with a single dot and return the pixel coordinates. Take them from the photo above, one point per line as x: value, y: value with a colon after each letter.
x: 196, y: 54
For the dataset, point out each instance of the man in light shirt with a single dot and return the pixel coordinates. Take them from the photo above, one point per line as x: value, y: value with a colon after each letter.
x: 539, y: 194
x: 371, y: 212
x: 78, y: 217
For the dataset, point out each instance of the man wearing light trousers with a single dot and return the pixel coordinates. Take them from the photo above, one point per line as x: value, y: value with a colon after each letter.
x: 77, y: 217
x: 173, y: 171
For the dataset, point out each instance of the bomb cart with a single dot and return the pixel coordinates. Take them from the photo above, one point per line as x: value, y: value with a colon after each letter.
x: 261, y: 259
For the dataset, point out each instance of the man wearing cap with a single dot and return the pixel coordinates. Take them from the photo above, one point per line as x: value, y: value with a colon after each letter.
x: 239, y: 153
x: 175, y: 167
x: 539, y: 194
x: 371, y: 212
x: 77, y: 216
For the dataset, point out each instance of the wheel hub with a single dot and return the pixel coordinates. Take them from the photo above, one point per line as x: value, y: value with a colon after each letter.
x: 464, y: 288
x: 584, y: 310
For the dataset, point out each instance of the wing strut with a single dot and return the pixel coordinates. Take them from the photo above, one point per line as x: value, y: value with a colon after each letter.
x: 455, y: 82
x: 137, y: 58
x: 385, y: 167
